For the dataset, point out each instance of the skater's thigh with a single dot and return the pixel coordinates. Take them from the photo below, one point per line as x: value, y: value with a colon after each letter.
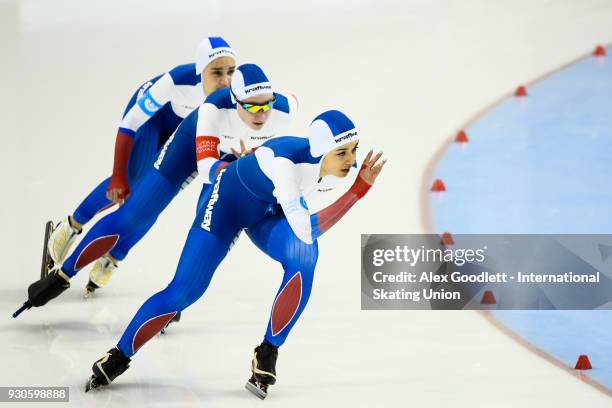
x: 274, y: 236
x: 144, y: 151
x: 216, y: 209
x: 150, y: 197
x: 176, y: 160
x: 202, y: 254
x: 261, y: 232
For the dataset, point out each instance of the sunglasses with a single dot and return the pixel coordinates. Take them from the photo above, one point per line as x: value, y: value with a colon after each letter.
x: 254, y: 108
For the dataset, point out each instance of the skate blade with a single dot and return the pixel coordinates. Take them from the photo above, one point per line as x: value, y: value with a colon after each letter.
x: 91, y: 384
x: 88, y: 293
x: 259, y: 389
x: 47, y: 261
x: 27, y: 305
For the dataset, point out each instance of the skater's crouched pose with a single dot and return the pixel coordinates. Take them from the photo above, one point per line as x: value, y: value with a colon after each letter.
x: 262, y: 193
x: 153, y: 113
x: 250, y: 111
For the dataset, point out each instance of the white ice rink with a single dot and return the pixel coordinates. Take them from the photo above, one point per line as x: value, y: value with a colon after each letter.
x: 409, y: 72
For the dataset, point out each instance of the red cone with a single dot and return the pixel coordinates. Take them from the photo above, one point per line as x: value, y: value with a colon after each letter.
x: 461, y: 137
x: 438, y: 185
x: 583, y: 363
x: 600, y: 51
x: 447, y: 239
x: 488, y: 298
x: 520, y: 91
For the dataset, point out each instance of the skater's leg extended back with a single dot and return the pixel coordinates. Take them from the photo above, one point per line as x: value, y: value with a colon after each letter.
x: 201, y: 255
x: 147, y: 201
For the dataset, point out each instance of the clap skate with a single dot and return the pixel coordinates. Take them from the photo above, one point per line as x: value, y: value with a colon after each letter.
x: 58, y: 240
x: 99, y: 275
x: 45, y: 289
x: 263, y: 368
x: 47, y: 261
x: 106, y: 369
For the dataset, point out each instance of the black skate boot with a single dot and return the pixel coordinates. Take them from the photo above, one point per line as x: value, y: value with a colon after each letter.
x: 45, y: 289
x: 176, y: 318
x: 106, y: 369
x: 264, y: 369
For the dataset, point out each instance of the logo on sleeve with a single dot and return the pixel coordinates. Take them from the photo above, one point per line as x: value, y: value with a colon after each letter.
x: 148, y: 105
x: 207, y: 146
x: 294, y: 205
x: 142, y: 90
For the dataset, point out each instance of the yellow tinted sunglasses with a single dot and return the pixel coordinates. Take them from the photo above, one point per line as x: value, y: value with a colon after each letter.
x: 254, y: 108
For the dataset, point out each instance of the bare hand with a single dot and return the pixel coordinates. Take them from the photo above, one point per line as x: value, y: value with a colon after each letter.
x: 243, y: 150
x: 371, y: 168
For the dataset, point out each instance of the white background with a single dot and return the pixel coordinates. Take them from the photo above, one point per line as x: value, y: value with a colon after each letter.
x: 408, y: 72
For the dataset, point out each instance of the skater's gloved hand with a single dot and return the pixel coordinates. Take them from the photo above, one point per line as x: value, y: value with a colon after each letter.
x: 243, y: 150
x: 118, y: 189
x: 370, y: 169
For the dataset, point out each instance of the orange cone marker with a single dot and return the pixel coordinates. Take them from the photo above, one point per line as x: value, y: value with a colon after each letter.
x: 488, y: 298
x: 438, y: 185
x: 447, y: 239
x: 461, y: 137
x: 583, y: 363
x: 521, y: 91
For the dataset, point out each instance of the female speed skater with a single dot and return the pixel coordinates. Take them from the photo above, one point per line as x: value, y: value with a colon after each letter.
x: 151, y: 116
x: 249, y: 109
x: 262, y: 193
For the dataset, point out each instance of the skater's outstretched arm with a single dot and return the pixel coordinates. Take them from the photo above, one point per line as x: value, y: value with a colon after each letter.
x: 309, y: 227
x: 329, y: 216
